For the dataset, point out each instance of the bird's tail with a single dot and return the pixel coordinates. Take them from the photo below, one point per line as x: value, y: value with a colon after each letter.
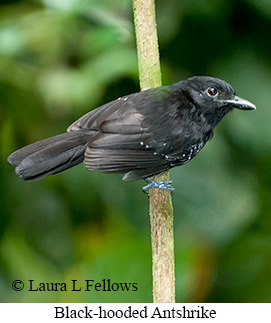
x: 50, y: 156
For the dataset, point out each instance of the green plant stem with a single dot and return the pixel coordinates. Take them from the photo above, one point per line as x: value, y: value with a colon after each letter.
x: 160, y: 204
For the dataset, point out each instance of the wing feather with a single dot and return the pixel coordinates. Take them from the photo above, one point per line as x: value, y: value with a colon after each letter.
x: 120, y: 108
x: 124, y: 140
x: 123, y: 160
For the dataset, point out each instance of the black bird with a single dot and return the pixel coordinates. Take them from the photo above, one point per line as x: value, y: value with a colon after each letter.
x: 141, y: 134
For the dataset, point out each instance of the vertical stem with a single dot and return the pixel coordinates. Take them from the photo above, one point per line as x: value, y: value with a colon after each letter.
x: 160, y: 204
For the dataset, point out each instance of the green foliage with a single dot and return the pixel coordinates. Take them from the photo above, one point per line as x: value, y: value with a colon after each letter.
x: 58, y: 60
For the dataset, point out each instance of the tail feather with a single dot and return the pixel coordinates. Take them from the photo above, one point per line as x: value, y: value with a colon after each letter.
x: 50, y: 156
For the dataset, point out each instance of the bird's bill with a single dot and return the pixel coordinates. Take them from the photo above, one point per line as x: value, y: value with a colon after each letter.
x: 240, y: 103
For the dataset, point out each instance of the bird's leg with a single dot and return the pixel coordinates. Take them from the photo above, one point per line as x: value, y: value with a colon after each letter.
x: 164, y: 185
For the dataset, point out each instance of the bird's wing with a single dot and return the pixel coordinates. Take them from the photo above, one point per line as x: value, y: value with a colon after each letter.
x: 121, y: 142
x: 118, y: 109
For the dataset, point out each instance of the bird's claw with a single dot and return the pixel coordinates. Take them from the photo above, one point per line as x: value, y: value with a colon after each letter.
x: 164, y: 185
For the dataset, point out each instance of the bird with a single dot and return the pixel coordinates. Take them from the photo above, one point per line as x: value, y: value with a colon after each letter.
x: 139, y: 135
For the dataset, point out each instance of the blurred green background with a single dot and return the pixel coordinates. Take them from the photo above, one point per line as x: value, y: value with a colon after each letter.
x: 58, y: 60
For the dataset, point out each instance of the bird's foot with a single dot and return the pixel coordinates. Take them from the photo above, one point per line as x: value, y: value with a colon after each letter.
x: 164, y: 185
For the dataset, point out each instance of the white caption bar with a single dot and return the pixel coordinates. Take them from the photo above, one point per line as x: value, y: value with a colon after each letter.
x: 26, y: 312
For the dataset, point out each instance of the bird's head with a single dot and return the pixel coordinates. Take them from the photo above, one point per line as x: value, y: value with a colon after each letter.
x: 213, y: 95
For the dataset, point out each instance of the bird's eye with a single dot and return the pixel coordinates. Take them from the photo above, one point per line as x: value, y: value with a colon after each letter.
x: 212, y: 91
